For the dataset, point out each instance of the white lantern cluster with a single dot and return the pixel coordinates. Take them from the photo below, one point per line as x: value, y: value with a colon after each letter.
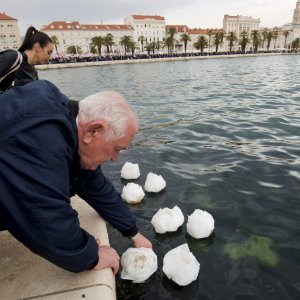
x: 133, y: 193
x: 130, y: 171
x: 138, y: 264
x: 179, y: 264
x: 154, y: 183
x: 167, y: 220
x: 200, y: 224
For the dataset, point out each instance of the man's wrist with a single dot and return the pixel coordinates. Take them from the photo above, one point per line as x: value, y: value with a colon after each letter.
x: 135, y: 236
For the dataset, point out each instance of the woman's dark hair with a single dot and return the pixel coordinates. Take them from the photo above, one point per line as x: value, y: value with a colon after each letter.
x: 33, y: 36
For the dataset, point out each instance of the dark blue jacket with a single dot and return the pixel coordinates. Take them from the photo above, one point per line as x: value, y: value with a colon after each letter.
x: 38, y: 158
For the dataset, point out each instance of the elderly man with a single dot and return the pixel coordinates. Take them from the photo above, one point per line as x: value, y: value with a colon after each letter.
x: 50, y: 149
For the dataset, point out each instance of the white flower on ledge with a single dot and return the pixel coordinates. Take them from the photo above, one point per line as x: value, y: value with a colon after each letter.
x: 154, y: 183
x: 138, y: 264
x: 130, y: 171
x: 181, y: 266
x: 200, y: 224
x: 167, y: 220
x: 133, y: 193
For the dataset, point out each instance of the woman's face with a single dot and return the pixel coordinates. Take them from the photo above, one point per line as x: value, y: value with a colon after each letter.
x: 44, y: 54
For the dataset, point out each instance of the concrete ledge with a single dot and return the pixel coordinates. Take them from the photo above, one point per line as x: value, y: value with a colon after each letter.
x: 149, y: 60
x: 25, y: 275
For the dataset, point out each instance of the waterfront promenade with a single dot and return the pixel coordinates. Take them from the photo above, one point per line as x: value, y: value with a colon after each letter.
x: 25, y: 275
x: 151, y: 60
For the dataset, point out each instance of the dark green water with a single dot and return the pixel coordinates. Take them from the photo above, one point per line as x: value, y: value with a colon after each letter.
x: 225, y: 135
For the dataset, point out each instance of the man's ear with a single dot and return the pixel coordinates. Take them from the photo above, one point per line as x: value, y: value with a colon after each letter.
x: 92, y: 130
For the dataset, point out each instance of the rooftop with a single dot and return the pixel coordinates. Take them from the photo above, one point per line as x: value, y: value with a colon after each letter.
x: 3, y: 16
x: 145, y: 17
x: 75, y: 25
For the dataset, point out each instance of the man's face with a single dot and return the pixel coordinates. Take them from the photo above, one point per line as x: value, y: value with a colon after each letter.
x: 94, y: 149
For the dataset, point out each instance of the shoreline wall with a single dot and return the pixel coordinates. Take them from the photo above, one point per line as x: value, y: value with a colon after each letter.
x: 148, y: 60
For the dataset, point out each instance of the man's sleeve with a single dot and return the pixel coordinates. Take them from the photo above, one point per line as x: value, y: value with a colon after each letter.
x: 103, y: 197
x: 34, y: 200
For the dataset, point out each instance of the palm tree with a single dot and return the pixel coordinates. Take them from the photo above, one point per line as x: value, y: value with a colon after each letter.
x: 244, y: 40
x: 93, y: 49
x: 255, y: 39
x: 296, y: 44
x: 98, y: 42
x: 74, y: 49
x: 210, y: 32
x: 171, y: 31
x: 152, y: 46
x: 109, y: 42
x: 286, y: 34
x: 132, y: 45
x: 169, y: 42
x: 125, y: 42
x: 269, y: 38
x: 231, y: 37
x: 201, y: 43
x: 159, y: 45
x: 142, y: 40
x: 218, y: 40
x: 185, y: 38
x: 148, y: 48
x: 264, y: 37
x: 55, y: 41
x: 275, y: 36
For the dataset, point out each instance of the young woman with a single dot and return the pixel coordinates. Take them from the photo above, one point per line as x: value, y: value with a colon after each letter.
x: 37, y: 47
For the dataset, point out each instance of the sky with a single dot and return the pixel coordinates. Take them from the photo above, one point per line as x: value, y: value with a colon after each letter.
x: 193, y: 13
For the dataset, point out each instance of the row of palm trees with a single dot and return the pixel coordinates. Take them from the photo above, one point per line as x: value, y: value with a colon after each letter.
x: 212, y: 38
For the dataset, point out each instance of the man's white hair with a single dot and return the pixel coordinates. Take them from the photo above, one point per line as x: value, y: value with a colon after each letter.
x: 108, y: 106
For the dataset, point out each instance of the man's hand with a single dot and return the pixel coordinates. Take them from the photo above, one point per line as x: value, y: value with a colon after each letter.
x: 108, y: 258
x: 140, y: 241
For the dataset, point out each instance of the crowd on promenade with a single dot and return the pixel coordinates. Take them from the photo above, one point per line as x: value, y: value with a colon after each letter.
x: 57, y: 59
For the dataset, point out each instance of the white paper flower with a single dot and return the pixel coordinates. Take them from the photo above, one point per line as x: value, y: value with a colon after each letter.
x: 167, y: 219
x: 133, y: 193
x: 181, y: 266
x: 154, y: 183
x: 130, y: 171
x: 200, y: 224
x: 138, y: 264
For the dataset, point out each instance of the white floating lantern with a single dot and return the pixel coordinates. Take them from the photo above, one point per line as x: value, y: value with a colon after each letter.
x: 167, y: 219
x: 200, y: 224
x: 130, y: 171
x: 154, y: 183
x: 138, y: 264
x: 133, y: 193
x: 181, y: 266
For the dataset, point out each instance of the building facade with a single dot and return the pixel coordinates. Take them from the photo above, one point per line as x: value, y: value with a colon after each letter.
x: 238, y: 24
x: 80, y: 35
x: 296, y: 21
x: 9, y: 33
x: 152, y: 28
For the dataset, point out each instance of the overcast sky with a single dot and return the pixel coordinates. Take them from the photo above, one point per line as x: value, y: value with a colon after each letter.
x: 193, y: 13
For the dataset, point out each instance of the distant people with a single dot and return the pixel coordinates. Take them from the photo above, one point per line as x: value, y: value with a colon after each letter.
x: 52, y: 148
x: 37, y: 47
